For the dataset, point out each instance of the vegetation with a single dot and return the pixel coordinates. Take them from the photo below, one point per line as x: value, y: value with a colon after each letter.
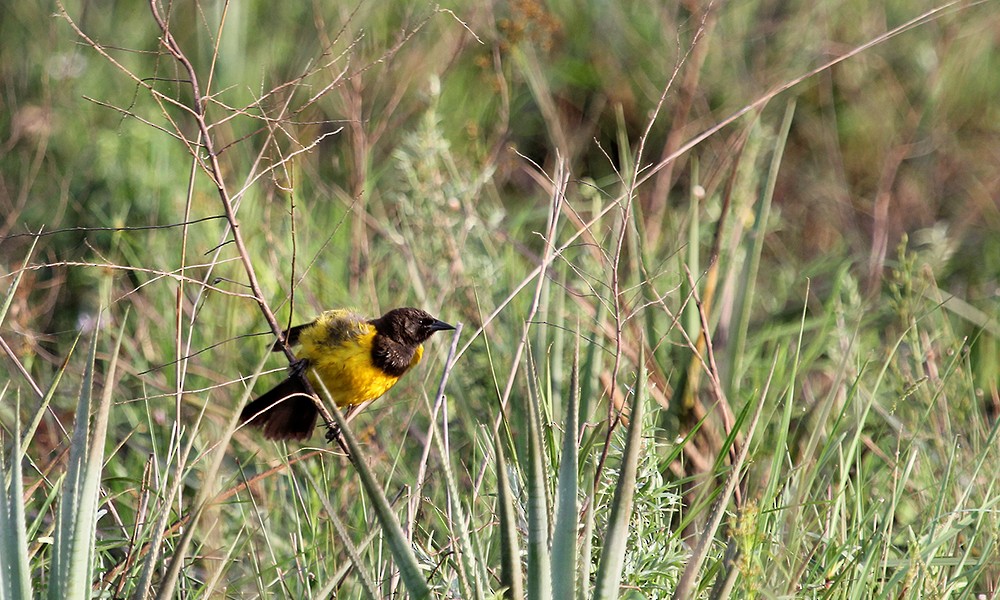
x: 728, y: 277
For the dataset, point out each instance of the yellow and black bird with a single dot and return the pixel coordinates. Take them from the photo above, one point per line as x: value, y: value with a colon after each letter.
x: 358, y: 359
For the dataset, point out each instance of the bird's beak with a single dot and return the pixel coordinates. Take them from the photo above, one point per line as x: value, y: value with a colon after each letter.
x: 440, y: 326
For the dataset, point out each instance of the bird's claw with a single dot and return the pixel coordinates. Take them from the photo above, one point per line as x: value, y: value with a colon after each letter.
x: 332, y: 433
x: 297, y: 368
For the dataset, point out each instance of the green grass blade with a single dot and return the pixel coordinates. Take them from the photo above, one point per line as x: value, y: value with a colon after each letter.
x: 609, y: 570
x: 364, y: 575
x: 409, y: 570
x: 692, y: 256
x: 152, y: 561
x: 469, y: 561
x: 564, y: 537
x: 472, y: 573
x: 511, y: 578
x: 53, y: 387
x: 172, y: 575
x: 686, y: 584
x: 17, y: 282
x: 781, y: 449
x: 590, y: 382
x: 755, y: 242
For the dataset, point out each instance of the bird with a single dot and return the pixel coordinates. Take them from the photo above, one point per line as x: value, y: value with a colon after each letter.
x: 358, y: 360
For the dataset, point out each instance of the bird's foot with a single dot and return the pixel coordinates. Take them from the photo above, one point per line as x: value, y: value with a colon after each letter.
x: 297, y: 368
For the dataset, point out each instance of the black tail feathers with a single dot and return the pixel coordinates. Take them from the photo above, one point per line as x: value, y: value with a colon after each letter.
x: 286, y: 412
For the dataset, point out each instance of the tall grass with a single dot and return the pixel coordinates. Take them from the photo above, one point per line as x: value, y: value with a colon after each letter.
x: 726, y: 276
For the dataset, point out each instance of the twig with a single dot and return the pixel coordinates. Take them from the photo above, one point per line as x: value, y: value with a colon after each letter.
x: 216, y: 174
x: 439, y: 402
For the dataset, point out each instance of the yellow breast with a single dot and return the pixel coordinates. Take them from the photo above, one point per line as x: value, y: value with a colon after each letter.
x: 341, y: 355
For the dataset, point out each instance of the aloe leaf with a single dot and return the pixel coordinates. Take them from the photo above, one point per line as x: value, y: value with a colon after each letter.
x: 539, y: 559
x: 564, y: 537
x: 609, y: 570
x: 73, y: 555
x: 15, y: 573
x: 511, y: 578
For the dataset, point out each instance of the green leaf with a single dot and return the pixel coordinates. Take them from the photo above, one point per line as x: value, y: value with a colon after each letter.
x: 73, y: 554
x: 15, y: 573
x: 539, y: 560
x: 564, y: 548
x: 609, y: 571
x: 511, y: 578
x: 686, y: 584
x: 409, y: 570
x: 17, y: 281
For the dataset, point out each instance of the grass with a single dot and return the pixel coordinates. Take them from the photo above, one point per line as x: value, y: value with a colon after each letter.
x: 588, y: 189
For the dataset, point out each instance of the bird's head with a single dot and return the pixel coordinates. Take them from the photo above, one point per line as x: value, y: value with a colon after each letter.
x: 409, y: 326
